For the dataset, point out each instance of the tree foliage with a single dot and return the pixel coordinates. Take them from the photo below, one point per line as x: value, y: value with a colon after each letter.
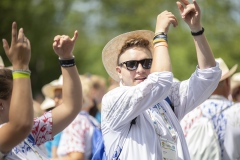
x: 99, y: 21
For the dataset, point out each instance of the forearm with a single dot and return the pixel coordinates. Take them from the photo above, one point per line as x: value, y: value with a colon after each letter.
x: 64, y: 114
x: 204, y: 53
x: 21, y: 106
x: 161, y: 60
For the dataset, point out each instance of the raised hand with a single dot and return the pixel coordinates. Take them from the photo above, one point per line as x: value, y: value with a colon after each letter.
x: 63, y: 45
x: 164, y: 20
x: 191, y: 14
x: 19, y: 53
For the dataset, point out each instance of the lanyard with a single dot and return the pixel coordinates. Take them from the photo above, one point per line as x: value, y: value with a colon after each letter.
x: 162, y: 113
x: 34, y: 150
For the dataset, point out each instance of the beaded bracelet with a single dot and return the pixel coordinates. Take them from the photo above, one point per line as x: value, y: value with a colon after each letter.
x: 67, y: 62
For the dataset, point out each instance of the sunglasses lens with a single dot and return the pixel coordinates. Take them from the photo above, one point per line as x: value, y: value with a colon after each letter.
x: 131, y: 65
x: 147, y: 63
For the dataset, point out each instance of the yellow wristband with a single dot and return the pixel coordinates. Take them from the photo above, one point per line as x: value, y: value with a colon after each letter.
x: 20, y: 75
x: 159, y: 40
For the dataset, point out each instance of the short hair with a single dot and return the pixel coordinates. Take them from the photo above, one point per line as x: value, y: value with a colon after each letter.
x: 131, y: 43
x: 5, y: 83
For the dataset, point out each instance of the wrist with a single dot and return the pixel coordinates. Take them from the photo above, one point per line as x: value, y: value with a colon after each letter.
x: 65, y: 63
x: 20, y: 67
x: 198, y: 33
x: 66, y: 57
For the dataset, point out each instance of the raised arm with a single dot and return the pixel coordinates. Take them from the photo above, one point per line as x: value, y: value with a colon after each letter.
x: 191, y: 14
x: 17, y: 109
x: 161, y: 58
x: 64, y: 114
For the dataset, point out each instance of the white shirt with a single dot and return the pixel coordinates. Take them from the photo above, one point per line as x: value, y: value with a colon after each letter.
x: 124, y: 103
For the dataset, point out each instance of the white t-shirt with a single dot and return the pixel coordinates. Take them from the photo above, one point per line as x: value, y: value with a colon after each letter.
x: 122, y: 104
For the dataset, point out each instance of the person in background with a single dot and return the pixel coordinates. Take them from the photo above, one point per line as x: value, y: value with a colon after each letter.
x: 98, y: 89
x: 235, y: 87
x: 137, y: 121
x: 224, y: 120
x: 43, y: 128
x: 76, y: 139
x: 112, y: 84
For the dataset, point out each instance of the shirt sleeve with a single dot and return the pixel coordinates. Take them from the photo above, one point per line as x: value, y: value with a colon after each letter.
x: 42, y: 128
x: 188, y: 94
x: 121, y: 105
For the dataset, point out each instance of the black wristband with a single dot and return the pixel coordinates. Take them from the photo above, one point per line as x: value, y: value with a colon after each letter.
x: 67, y: 63
x: 198, y: 33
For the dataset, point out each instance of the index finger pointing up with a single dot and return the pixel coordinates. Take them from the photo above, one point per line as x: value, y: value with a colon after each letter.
x: 14, y: 32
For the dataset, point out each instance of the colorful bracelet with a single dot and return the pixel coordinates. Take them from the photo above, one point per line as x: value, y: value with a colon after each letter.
x: 67, y: 62
x: 161, y: 44
x: 198, y: 33
x: 160, y: 36
x: 17, y: 74
x: 158, y: 41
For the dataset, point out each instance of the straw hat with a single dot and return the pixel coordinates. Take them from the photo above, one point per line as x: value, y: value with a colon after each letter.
x: 113, y: 47
x: 225, y: 70
x: 48, y: 89
x: 235, y: 80
x: 47, y: 104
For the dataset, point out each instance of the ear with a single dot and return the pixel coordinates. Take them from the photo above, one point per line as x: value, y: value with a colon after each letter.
x: 119, y: 71
x: 228, y: 82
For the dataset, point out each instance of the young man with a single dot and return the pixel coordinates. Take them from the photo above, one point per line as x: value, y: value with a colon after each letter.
x: 144, y: 72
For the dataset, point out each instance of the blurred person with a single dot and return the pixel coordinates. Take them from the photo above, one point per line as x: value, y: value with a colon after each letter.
x: 137, y: 122
x: 15, y: 86
x: 43, y: 128
x: 76, y: 139
x: 235, y: 87
x: 112, y: 84
x: 98, y: 89
x: 224, y: 123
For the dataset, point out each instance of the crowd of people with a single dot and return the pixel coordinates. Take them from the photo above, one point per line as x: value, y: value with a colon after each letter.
x: 142, y: 110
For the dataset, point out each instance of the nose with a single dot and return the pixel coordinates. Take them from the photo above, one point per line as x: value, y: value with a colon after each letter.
x: 140, y: 68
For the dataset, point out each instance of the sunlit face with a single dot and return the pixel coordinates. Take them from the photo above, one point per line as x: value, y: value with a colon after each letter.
x: 132, y: 78
x: 58, y: 96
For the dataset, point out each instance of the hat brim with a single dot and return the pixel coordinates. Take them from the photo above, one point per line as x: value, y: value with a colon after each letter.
x: 229, y: 73
x: 113, y: 47
x: 48, y: 90
x: 235, y: 81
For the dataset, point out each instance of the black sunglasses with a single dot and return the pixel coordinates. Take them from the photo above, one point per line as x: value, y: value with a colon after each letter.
x: 133, y: 65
